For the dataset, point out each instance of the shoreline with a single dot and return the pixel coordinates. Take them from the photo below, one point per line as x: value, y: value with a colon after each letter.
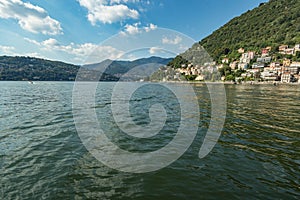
x: 228, y: 83
x: 182, y: 82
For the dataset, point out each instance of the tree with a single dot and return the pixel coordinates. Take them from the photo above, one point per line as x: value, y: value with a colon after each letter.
x: 230, y: 77
x: 191, y: 77
x: 224, y: 71
x: 177, y: 62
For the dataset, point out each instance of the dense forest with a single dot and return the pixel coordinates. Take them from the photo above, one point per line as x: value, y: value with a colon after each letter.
x: 272, y: 24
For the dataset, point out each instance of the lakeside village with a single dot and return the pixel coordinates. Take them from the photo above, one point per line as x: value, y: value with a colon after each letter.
x: 281, y: 65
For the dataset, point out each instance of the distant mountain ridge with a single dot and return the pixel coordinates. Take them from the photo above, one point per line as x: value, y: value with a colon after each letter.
x: 20, y: 68
x: 116, y: 66
x: 137, y: 69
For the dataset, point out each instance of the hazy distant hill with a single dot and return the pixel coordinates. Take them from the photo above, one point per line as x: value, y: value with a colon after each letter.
x: 270, y: 24
x: 132, y: 70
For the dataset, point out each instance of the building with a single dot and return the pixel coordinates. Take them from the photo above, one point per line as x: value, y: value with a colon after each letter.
x: 258, y: 65
x: 241, y: 50
x: 234, y: 65
x: 286, y: 62
x: 264, y: 52
x: 269, y: 48
x: 264, y: 59
x: 294, y: 68
x: 220, y: 66
x: 252, y: 71
x: 243, y: 65
x: 225, y: 60
x: 194, y: 71
x: 269, y: 75
x: 282, y: 48
x: 274, y: 65
x: 247, y: 57
x: 177, y: 76
x: 289, y: 51
x: 297, y: 47
x: 247, y: 74
x: 286, y: 77
x: 251, y: 55
x: 200, y: 78
x: 295, y: 64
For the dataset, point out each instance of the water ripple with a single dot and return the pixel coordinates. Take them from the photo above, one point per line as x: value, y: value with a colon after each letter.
x: 42, y: 157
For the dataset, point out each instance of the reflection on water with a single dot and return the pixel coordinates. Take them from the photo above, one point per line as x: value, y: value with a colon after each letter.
x: 257, y: 156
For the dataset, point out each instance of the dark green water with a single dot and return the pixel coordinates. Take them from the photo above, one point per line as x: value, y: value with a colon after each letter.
x: 42, y: 156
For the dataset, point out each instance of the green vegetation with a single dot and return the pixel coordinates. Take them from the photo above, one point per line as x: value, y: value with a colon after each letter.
x: 36, y: 69
x: 197, y: 55
x: 268, y: 26
x: 27, y: 68
x: 191, y: 77
x: 271, y: 24
x: 178, y: 61
x: 229, y: 74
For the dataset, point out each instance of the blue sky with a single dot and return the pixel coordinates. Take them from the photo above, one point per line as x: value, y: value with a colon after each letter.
x: 70, y: 30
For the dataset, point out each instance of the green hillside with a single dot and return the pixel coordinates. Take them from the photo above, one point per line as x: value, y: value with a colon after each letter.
x: 35, y: 69
x: 28, y: 68
x: 20, y: 68
x: 270, y: 24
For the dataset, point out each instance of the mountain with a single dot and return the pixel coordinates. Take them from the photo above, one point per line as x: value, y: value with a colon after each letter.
x: 272, y: 24
x: 36, y: 69
x: 130, y: 70
x: 29, y: 68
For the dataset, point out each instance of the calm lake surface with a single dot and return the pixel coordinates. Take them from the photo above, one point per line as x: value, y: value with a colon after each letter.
x: 42, y: 156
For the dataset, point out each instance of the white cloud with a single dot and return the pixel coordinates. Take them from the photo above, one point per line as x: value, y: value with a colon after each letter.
x: 34, y: 54
x: 32, y: 41
x: 124, y: 1
x: 155, y: 50
x: 135, y: 29
x: 132, y: 29
x: 81, y: 52
x: 105, y: 52
x: 91, y: 53
x: 31, y: 18
x: 174, y: 41
x: 151, y: 27
x: 102, y: 11
x: 50, y: 42
x: 6, y: 49
x: 117, y: 1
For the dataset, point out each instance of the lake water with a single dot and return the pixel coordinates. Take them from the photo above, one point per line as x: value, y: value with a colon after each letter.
x: 42, y: 156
